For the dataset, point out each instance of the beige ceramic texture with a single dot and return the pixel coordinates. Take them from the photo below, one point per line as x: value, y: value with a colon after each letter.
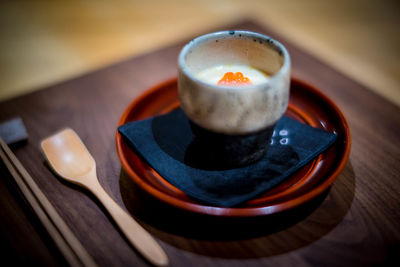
x: 70, y: 159
x: 239, y: 109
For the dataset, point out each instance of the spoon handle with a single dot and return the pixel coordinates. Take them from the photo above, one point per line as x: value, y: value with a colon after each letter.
x: 133, y: 231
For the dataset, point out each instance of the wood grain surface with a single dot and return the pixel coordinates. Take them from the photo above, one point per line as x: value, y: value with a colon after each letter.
x: 355, y: 223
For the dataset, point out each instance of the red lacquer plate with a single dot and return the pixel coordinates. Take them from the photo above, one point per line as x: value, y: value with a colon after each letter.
x: 307, y: 105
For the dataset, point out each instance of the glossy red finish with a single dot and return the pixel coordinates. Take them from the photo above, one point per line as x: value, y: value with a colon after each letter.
x: 307, y: 105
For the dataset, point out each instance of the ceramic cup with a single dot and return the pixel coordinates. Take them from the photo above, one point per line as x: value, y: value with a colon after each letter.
x: 233, y: 125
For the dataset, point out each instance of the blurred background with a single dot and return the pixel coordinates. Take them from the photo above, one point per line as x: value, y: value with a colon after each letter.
x: 46, y: 42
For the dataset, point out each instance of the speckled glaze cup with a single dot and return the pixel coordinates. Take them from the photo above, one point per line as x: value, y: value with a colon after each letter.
x: 233, y: 124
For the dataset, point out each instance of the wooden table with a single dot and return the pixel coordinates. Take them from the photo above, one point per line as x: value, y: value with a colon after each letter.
x: 355, y: 223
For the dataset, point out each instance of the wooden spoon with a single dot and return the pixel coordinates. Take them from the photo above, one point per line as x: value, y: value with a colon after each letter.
x: 71, y: 160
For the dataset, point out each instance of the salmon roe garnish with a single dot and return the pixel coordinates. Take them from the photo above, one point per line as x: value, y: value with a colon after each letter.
x: 231, y: 78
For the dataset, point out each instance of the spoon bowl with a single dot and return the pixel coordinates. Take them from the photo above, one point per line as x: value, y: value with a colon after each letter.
x: 70, y: 159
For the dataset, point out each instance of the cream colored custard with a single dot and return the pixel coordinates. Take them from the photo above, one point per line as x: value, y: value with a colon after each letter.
x: 214, y: 74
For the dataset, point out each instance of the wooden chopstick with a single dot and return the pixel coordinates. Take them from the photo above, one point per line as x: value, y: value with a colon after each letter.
x: 68, y: 244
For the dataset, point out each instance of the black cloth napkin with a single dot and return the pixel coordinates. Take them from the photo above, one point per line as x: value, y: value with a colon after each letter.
x: 164, y: 142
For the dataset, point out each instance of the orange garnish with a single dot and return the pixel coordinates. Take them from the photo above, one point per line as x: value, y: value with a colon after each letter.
x: 231, y: 78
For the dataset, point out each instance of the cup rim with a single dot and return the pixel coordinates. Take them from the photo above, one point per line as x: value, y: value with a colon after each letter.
x: 224, y: 34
